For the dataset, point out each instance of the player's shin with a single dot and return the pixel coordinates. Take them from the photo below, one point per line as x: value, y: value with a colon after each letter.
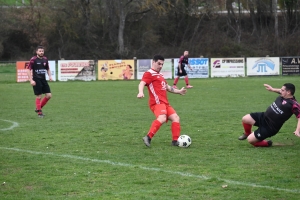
x: 247, y: 128
x: 44, y: 101
x: 175, y: 128
x: 154, y: 128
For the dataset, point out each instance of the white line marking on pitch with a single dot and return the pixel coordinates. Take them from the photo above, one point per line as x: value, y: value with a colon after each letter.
x: 14, y: 125
x: 154, y: 169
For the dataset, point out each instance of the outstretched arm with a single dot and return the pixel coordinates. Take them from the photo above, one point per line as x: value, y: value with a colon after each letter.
x: 141, y: 89
x: 297, y: 131
x: 182, y: 91
x: 270, y: 88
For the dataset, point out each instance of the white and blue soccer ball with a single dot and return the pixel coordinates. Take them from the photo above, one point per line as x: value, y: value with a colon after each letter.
x: 184, y: 141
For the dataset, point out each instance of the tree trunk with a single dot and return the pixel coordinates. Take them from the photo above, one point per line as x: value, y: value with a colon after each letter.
x: 253, y: 17
x: 274, y: 8
x: 121, y: 49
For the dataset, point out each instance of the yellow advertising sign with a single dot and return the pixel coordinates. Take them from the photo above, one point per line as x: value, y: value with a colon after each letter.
x: 115, y: 69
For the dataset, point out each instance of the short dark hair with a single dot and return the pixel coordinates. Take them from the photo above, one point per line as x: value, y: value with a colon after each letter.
x: 158, y: 57
x: 290, y: 87
x: 39, y: 47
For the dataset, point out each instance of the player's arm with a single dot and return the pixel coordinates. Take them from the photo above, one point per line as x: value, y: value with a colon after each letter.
x: 28, y: 71
x: 141, y: 89
x: 49, y: 74
x: 179, y: 66
x: 182, y: 91
x: 270, y: 88
x: 180, y: 63
x: 297, y: 131
x: 29, y: 74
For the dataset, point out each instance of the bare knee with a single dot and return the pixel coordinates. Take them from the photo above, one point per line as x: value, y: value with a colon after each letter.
x: 247, y: 119
x: 174, y: 118
x: 252, y: 139
x: 162, y: 118
x: 48, y: 95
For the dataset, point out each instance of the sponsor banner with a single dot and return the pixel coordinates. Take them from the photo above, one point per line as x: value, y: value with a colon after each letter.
x: 167, y: 69
x: 263, y: 66
x: 52, y: 70
x: 145, y: 65
x: 142, y: 67
x: 199, y: 66
x: 22, y: 67
x: 76, y: 70
x: 227, y: 67
x: 290, y: 65
x: 115, y: 69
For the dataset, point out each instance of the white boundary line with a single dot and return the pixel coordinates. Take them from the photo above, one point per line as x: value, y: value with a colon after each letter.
x: 154, y: 169
x: 15, y: 124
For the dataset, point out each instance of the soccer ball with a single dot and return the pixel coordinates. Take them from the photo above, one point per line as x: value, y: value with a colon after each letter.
x: 184, y: 141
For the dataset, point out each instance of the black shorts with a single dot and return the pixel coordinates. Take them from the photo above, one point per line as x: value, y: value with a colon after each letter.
x: 263, y: 131
x: 41, y: 86
x: 183, y: 72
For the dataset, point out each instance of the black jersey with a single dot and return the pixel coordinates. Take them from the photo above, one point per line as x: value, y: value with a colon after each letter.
x: 39, y: 67
x: 183, y: 61
x: 280, y: 111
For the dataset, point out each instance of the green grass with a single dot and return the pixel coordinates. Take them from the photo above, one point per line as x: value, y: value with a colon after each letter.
x: 89, y: 144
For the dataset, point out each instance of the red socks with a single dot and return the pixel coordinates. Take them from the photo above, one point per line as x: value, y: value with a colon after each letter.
x: 176, y: 80
x: 263, y: 143
x: 186, y: 80
x: 44, y: 101
x: 175, y: 128
x: 154, y: 128
x: 38, y: 104
x: 247, y: 128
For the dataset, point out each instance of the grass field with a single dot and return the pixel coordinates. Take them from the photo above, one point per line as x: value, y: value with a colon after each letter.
x: 89, y: 145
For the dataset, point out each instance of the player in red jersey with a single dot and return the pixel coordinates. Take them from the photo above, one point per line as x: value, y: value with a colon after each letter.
x: 270, y: 122
x: 158, y: 100
x: 39, y: 66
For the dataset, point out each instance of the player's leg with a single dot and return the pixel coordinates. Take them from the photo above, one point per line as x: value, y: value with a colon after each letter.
x: 160, y: 112
x: 175, y: 126
x: 247, y: 122
x: 38, y: 93
x: 177, y: 78
x: 46, y: 99
x: 175, y: 82
x: 257, y: 138
x: 47, y: 92
x: 186, y: 78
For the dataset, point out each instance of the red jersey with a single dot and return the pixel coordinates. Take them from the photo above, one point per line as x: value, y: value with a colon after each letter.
x: 157, y: 87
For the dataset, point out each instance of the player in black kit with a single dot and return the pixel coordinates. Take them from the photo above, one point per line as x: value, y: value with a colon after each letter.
x: 270, y: 121
x: 183, y: 61
x: 39, y: 66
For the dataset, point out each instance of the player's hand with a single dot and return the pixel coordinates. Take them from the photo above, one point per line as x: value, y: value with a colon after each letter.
x: 268, y: 87
x: 50, y: 79
x: 297, y: 133
x: 140, y: 95
x: 182, y: 91
x: 32, y: 82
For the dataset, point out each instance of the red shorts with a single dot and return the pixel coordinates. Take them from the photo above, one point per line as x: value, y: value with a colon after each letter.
x: 162, y: 109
